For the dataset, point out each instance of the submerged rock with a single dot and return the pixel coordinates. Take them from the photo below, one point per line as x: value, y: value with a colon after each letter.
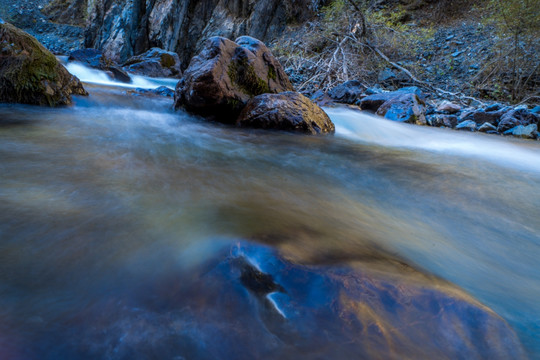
x: 30, y: 74
x: 249, y: 302
x: 95, y: 59
x: 155, y: 62
x: 289, y: 111
x: 225, y: 75
x: 159, y: 91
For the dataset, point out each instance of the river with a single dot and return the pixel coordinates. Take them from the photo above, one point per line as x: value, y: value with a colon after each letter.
x: 119, y: 190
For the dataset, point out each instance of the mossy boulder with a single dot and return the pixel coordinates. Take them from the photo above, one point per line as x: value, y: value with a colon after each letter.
x: 30, y: 74
x: 226, y: 75
x: 289, y: 111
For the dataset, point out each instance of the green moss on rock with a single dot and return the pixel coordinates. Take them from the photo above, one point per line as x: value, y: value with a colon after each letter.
x: 30, y: 74
x: 242, y: 73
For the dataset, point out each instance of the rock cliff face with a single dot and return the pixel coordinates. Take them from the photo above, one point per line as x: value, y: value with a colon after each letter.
x: 123, y: 28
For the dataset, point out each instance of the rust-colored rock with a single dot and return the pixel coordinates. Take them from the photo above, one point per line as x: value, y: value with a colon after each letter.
x: 288, y: 111
x: 30, y: 74
x: 226, y: 74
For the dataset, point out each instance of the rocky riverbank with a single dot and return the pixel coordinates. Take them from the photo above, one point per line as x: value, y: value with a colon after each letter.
x: 412, y: 105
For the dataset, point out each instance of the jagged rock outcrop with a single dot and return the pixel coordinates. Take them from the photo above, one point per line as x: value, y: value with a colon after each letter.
x: 30, y: 74
x: 226, y: 74
x: 124, y: 28
x: 290, y: 111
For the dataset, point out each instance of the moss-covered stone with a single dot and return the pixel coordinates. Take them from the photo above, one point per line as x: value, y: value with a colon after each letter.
x: 30, y: 74
x: 272, y: 72
x: 243, y: 74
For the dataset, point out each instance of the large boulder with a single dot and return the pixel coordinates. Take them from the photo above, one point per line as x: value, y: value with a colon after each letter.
x: 288, y: 111
x: 406, y: 107
x: 226, y: 74
x: 30, y: 74
x: 95, y: 59
x: 155, y: 62
x: 517, y: 117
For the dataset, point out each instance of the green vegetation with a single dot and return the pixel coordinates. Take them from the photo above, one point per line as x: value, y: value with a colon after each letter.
x: 31, y: 66
x: 242, y: 73
x: 516, y: 68
x: 437, y: 42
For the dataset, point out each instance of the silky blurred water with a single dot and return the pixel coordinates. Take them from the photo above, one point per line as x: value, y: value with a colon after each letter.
x: 119, y: 189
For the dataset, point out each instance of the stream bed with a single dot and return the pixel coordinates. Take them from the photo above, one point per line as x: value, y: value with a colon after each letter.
x: 118, y: 202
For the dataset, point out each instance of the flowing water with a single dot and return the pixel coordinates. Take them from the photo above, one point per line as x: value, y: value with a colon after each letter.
x: 119, y: 191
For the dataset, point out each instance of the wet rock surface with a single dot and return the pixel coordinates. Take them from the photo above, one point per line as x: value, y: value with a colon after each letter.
x: 248, y: 302
x: 226, y: 74
x: 407, y: 108
x: 155, y: 62
x: 288, y: 111
x: 30, y: 74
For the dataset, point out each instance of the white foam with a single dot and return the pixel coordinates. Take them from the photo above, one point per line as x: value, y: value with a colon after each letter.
x: 372, y: 129
x: 94, y: 76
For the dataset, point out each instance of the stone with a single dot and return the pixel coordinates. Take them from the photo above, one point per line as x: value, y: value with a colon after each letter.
x: 155, y: 62
x: 482, y: 116
x: 493, y: 107
x: 449, y: 107
x: 487, y: 127
x: 439, y: 120
x: 386, y: 75
x: 225, y: 75
x: 373, y: 102
x: 468, y: 125
x: 406, y: 107
x: 517, y: 117
x: 290, y: 111
x: 30, y: 74
x: 526, y: 132
x: 95, y: 59
x: 349, y: 92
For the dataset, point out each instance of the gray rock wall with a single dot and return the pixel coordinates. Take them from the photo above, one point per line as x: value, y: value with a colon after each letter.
x: 122, y: 28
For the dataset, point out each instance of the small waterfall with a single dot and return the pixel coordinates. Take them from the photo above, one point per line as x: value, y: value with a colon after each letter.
x: 94, y: 76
